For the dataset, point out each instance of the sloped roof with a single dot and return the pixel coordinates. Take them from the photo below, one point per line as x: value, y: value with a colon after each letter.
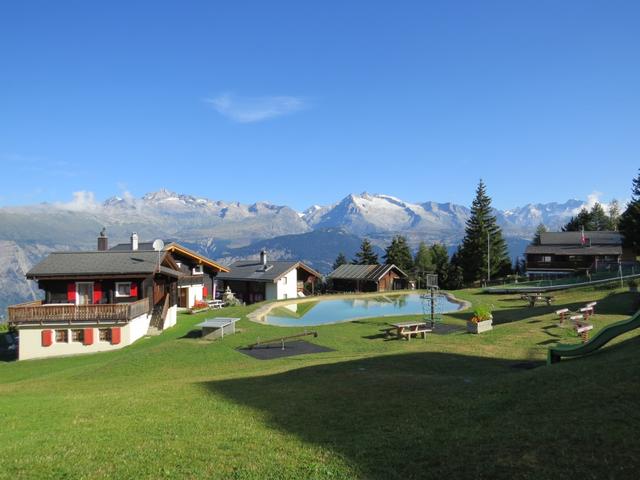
x: 574, y: 250
x: 252, y: 270
x: 364, y: 272
x: 109, y: 262
x: 172, y: 247
x: 575, y: 238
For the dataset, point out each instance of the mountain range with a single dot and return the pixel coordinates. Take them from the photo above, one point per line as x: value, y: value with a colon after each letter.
x: 228, y: 231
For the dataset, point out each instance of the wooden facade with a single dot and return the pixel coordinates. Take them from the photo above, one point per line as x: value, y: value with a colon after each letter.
x: 368, y: 278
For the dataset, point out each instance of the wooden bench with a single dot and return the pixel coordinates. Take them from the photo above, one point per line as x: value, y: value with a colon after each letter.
x: 563, y: 313
x: 583, y: 330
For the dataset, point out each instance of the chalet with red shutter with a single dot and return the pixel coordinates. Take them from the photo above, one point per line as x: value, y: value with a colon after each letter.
x: 97, y: 300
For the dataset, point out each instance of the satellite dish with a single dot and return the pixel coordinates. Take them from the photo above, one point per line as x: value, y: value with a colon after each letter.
x: 158, y: 245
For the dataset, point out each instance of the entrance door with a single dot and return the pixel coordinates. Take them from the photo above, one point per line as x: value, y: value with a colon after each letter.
x: 184, y: 292
x: 84, y: 293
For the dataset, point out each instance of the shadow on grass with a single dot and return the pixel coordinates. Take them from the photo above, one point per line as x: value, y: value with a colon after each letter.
x: 431, y: 415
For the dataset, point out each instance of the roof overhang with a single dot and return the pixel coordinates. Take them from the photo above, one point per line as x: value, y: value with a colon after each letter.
x: 175, y: 247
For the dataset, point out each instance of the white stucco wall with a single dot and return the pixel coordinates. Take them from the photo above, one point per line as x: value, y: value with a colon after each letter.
x: 287, y: 286
x: 138, y: 328
x: 31, y: 340
x: 194, y: 293
x: 172, y: 317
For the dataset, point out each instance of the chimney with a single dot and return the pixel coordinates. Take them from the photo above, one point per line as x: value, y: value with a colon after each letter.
x: 103, y: 241
x: 263, y: 258
x: 134, y: 241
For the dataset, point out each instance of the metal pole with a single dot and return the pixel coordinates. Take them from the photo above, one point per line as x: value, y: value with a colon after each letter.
x: 488, y: 257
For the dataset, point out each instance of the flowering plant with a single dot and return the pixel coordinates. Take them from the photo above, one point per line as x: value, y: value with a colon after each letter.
x: 481, y: 313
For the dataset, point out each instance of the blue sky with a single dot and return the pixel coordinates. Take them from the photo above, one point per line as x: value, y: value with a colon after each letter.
x: 300, y: 103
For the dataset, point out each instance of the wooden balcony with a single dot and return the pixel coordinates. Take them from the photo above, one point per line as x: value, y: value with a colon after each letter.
x: 559, y: 265
x: 39, y: 313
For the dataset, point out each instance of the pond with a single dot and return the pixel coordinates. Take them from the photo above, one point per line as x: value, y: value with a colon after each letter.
x: 345, y: 310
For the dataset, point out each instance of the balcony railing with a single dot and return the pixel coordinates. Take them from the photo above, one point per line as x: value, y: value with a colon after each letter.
x: 39, y: 313
x: 559, y: 265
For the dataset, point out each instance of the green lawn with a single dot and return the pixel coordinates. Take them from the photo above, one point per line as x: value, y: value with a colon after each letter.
x: 455, y: 405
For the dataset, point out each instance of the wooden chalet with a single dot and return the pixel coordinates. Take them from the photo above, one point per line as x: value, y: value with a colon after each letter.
x: 564, y: 253
x: 199, y: 273
x: 97, y: 300
x: 367, y: 278
x: 257, y: 280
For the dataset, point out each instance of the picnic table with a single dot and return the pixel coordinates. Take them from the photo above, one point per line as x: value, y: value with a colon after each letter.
x: 533, y: 298
x: 407, y: 329
x: 218, y: 327
x: 215, y: 303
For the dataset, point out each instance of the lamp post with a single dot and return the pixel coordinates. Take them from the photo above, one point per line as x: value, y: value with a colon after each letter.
x: 488, y: 257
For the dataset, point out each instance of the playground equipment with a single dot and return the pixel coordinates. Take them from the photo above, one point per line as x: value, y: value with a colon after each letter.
x: 260, y: 343
x: 432, y: 306
x: 603, y: 337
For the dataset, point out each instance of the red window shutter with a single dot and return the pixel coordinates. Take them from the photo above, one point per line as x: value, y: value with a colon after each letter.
x: 134, y: 289
x: 47, y: 338
x: 205, y: 292
x: 71, y: 292
x: 88, y: 336
x: 97, y: 292
x: 115, y: 335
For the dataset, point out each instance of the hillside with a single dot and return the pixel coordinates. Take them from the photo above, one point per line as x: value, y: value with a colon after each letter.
x: 174, y: 406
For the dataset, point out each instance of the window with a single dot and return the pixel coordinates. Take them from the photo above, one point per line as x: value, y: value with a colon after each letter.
x: 104, y: 334
x: 77, y: 336
x: 123, y: 289
x: 284, y: 280
x: 546, y: 258
x: 197, y: 270
x: 62, y: 336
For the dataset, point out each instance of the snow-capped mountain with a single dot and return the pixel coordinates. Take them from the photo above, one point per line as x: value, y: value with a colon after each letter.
x: 225, y: 230
x: 371, y: 214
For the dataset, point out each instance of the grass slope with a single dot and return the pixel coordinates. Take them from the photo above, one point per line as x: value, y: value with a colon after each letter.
x: 175, y: 406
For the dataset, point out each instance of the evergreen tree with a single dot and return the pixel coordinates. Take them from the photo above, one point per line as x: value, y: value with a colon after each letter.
x: 539, y: 230
x: 599, y: 218
x: 340, y: 260
x: 398, y: 253
x: 366, y: 255
x: 580, y: 221
x: 483, y: 236
x: 440, y: 260
x: 422, y: 263
x: 614, y: 215
x: 630, y: 219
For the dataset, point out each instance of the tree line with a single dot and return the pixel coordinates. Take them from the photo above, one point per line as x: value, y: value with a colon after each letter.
x: 483, y: 253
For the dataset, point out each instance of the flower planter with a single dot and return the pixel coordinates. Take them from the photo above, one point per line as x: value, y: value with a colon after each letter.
x: 483, y: 326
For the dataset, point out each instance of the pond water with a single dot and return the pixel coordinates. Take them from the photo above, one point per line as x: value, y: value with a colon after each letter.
x: 345, y: 310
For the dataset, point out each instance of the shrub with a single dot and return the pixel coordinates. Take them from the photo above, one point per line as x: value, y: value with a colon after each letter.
x: 481, y: 313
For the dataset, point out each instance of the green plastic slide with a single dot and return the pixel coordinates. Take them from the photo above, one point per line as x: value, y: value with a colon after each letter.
x: 603, y: 337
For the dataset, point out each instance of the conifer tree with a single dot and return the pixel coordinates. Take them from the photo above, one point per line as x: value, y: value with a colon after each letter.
x: 423, y: 262
x: 614, y: 215
x: 366, y: 255
x: 440, y: 259
x: 398, y: 253
x: 340, y: 260
x: 483, y: 236
x: 599, y: 218
x: 539, y: 231
x: 630, y: 219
